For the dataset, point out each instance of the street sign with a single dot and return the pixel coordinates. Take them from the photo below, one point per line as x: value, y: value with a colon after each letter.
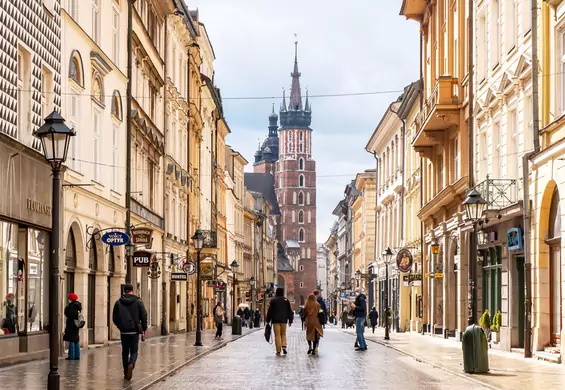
x: 179, y: 276
x: 189, y: 267
x: 115, y: 238
x: 352, y: 294
x: 142, y: 259
x: 141, y: 236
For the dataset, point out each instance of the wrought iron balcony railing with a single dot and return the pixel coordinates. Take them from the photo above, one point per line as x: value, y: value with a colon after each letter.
x: 499, y: 193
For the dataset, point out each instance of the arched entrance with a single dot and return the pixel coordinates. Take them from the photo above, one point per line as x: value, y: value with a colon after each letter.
x: 554, y: 242
x: 91, y: 311
x: 70, y: 263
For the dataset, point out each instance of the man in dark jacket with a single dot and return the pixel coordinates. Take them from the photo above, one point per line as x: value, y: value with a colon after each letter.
x: 323, y: 306
x: 279, y: 314
x: 130, y: 317
x: 360, y: 310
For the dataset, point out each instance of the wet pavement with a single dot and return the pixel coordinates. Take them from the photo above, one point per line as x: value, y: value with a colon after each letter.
x: 507, y: 370
x: 250, y: 363
x: 101, y: 368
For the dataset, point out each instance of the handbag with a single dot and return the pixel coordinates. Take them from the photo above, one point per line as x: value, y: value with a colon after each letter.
x: 79, y: 321
x: 322, y: 317
x: 268, y: 331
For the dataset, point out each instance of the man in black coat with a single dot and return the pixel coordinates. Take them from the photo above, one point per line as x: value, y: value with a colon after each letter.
x: 130, y: 317
x: 279, y: 314
x: 323, y: 306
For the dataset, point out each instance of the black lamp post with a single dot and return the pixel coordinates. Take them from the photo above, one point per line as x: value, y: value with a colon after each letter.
x: 55, y: 138
x: 474, y: 208
x: 198, y: 242
x: 234, y: 266
x: 387, y: 255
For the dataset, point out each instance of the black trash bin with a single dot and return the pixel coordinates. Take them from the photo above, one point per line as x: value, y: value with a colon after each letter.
x: 236, y: 326
x: 475, y: 350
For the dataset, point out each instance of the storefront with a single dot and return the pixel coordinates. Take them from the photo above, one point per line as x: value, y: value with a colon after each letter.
x: 25, y: 222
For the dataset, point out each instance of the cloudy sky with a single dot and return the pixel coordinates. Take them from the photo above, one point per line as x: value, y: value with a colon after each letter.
x: 344, y: 47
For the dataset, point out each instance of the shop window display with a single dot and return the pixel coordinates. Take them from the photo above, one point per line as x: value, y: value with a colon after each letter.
x: 38, y: 291
x: 10, y: 284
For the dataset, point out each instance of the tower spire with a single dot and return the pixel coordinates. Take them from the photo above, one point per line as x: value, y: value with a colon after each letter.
x: 283, y: 104
x: 295, y: 93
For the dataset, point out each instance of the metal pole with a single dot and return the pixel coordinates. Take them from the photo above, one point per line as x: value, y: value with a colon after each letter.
x: 129, y: 265
x: 233, y: 297
x: 387, y: 331
x: 473, y: 274
x: 53, y: 379
x: 198, y: 342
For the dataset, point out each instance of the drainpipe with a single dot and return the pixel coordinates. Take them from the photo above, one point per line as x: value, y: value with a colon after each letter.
x: 526, y: 188
x: 422, y: 179
x: 129, y: 249
x: 189, y: 185
x: 164, y: 326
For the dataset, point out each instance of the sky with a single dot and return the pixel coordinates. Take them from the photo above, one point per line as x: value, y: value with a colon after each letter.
x: 343, y: 47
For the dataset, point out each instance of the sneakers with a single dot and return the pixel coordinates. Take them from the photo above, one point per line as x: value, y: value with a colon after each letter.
x: 361, y: 349
x: 284, y: 350
x: 129, y: 372
x: 278, y: 354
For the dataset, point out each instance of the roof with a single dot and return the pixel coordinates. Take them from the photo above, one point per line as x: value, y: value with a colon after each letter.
x: 283, y: 264
x: 292, y: 243
x: 263, y: 183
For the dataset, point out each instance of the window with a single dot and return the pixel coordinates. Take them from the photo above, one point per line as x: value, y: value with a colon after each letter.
x: 512, y: 145
x: 455, y: 154
x: 301, y: 268
x: 303, y: 250
x: 301, y: 284
x: 75, y: 141
x: 301, y: 235
x: 115, y: 160
x: 116, y: 37
x: 38, y: 288
x: 72, y: 9
x: 301, y: 181
x: 511, y: 20
x: 293, y: 216
x: 301, y: 199
x: 9, y: 283
x: 152, y: 102
x: 301, y: 142
x: 308, y: 253
x: 97, y: 119
x: 96, y: 21
x: 46, y: 93
x: 482, y: 47
x: 290, y: 142
x: 152, y: 184
x: 24, y: 96
x: 98, y: 89
x: 117, y: 105
x: 495, y: 33
x: 308, y: 198
x: 526, y: 17
x: 301, y: 216
x: 497, y: 145
x: 300, y: 164
x: 439, y: 165
x: 75, y: 69
x: 309, y: 216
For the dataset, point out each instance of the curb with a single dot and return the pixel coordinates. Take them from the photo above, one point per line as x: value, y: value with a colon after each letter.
x: 187, y: 362
x: 435, y: 365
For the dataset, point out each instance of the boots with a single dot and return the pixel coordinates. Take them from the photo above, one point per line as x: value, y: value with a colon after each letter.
x: 309, y: 347
x: 314, y: 348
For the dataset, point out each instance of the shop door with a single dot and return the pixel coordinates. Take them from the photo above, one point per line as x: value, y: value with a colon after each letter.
x: 555, y: 286
x: 91, y: 307
x: 521, y: 300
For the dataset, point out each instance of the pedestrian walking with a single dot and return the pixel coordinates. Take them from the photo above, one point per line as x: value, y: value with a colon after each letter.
x: 72, y: 326
x: 359, y: 307
x: 130, y: 317
x: 301, y: 314
x: 279, y: 314
x: 219, y: 318
x: 257, y: 319
x: 344, y: 316
x: 247, y: 315
x: 374, y: 318
x: 314, y: 330
x: 323, y: 306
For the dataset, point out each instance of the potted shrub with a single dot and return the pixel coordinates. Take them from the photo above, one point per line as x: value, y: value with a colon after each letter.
x: 495, y: 327
x: 484, y: 323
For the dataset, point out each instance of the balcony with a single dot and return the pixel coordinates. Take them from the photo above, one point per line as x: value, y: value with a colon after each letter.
x: 439, y: 113
x: 499, y: 193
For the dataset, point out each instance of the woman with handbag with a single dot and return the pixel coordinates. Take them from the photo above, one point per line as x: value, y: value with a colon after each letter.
x: 219, y: 318
x: 314, y: 330
x: 72, y: 326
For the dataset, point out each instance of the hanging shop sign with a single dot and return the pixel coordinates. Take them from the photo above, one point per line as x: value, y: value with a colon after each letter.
x: 189, y: 267
x: 415, y: 280
x: 115, y: 238
x: 342, y: 294
x: 220, y: 286
x: 142, y: 259
x: 514, y: 239
x: 141, y: 236
x: 179, y: 277
x: 406, y: 280
x: 404, y: 260
x: 207, y: 270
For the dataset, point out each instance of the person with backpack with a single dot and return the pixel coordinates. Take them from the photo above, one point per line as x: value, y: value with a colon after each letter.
x: 219, y: 319
x: 279, y: 314
x: 130, y: 317
x: 74, y: 321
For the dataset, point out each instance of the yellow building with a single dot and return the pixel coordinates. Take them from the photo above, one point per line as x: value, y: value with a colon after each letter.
x: 441, y: 139
x: 333, y: 278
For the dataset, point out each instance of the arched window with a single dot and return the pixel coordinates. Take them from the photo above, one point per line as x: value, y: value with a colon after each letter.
x: 97, y: 88
x: 301, y: 198
x: 300, y: 164
x: 290, y: 142
x: 301, y: 235
x: 301, y: 142
x: 117, y: 105
x: 301, y: 216
x: 70, y: 253
x: 301, y: 181
x: 75, y: 68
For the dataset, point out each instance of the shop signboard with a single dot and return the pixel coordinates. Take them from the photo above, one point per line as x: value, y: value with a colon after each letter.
x: 142, y: 259
x: 514, y: 239
x: 404, y: 260
x: 179, y: 276
x: 141, y: 236
x: 115, y: 238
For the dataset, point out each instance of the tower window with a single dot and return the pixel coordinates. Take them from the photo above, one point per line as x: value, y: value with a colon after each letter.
x: 290, y: 142
x: 300, y: 164
x: 301, y: 142
x: 301, y: 235
x: 301, y: 216
x: 301, y: 198
x: 301, y: 181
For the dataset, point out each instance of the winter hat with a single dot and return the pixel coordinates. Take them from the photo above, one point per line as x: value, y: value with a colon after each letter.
x: 72, y: 297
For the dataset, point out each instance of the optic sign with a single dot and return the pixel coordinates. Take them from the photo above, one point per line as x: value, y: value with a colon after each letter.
x: 142, y: 259
x: 115, y: 238
x: 404, y: 260
x: 189, y: 268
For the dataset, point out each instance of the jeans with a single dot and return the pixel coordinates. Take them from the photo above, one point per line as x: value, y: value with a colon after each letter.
x: 219, y: 327
x: 280, y: 336
x: 360, y: 328
x: 74, y: 350
x: 130, y: 347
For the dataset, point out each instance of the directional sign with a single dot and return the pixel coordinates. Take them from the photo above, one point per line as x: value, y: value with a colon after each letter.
x: 115, y: 238
x: 142, y: 259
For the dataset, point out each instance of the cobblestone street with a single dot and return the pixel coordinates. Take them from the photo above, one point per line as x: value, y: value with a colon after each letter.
x: 250, y: 363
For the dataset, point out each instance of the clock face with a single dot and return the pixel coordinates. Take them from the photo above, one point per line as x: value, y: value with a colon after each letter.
x: 189, y: 268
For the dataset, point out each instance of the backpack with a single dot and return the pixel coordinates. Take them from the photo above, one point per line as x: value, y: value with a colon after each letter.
x: 80, y: 322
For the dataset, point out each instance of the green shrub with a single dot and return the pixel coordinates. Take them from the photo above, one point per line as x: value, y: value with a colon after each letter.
x: 496, y: 321
x: 484, y: 322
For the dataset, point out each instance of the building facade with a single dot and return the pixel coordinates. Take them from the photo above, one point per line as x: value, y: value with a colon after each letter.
x: 322, y: 259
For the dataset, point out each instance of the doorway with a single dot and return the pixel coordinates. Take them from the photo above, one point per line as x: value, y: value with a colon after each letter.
x: 555, y: 301
x: 521, y: 299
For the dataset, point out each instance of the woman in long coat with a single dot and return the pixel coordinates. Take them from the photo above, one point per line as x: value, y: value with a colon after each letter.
x: 71, y: 330
x: 314, y: 329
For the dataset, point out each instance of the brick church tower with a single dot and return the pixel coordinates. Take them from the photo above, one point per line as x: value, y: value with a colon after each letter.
x: 295, y: 182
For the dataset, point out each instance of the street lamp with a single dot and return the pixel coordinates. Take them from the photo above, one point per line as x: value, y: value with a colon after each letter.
x: 387, y: 255
x: 474, y: 208
x: 234, y: 266
x: 55, y: 138
x: 198, y: 242
x: 251, y: 286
